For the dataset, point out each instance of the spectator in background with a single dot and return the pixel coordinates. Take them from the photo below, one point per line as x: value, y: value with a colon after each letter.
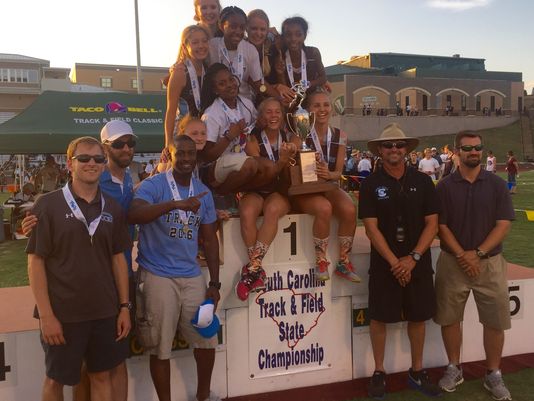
x: 512, y: 168
x: 413, y: 160
x: 137, y: 172
x: 149, y: 167
x: 429, y: 165
x: 364, y: 166
x: 47, y: 179
x: 491, y: 162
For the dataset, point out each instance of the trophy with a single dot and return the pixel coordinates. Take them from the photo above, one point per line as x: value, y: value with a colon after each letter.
x: 302, y: 173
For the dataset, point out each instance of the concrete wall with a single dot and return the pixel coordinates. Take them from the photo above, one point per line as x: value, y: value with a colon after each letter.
x: 365, y: 128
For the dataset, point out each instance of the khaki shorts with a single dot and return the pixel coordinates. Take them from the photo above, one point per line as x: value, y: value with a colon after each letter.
x: 490, y: 291
x: 165, y: 304
x: 228, y: 163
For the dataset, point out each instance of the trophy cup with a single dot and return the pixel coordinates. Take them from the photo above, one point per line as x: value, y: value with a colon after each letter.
x: 302, y: 174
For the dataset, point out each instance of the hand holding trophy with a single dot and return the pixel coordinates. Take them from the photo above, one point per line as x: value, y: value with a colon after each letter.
x: 303, y: 174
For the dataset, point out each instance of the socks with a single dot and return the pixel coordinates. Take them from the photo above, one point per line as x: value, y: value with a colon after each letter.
x: 345, y: 246
x: 320, y: 249
x: 256, y: 255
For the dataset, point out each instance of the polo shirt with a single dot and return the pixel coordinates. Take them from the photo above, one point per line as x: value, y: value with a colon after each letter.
x: 81, y: 284
x: 123, y: 194
x: 164, y: 248
x: 406, y: 201
x: 471, y: 210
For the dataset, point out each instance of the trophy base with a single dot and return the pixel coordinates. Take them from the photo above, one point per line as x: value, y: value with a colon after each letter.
x: 298, y: 187
x: 311, y: 187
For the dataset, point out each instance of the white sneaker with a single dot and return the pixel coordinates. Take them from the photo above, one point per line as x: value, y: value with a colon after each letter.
x: 212, y: 397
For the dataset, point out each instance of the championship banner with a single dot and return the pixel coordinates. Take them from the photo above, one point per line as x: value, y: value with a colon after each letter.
x: 288, y: 328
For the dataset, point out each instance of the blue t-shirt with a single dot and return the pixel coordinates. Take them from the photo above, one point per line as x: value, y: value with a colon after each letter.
x: 124, y: 197
x: 165, y: 248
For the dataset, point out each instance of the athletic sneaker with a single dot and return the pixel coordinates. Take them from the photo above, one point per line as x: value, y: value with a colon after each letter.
x: 495, y: 385
x: 212, y: 397
x: 321, y: 270
x: 452, y: 378
x: 422, y: 383
x: 249, y: 282
x: 346, y: 270
x: 377, y: 385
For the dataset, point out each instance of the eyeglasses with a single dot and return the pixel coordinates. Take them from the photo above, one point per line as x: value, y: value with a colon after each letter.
x: 469, y: 148
x: 391, y: 145
x: 120, y: 144
x: 99, y: 159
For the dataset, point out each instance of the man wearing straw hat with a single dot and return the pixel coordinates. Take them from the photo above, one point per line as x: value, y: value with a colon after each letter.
x: 398, y: 207
x: 475, y: 217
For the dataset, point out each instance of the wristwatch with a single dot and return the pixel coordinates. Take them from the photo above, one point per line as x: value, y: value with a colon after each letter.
x: 128, y: 305
x: 215, y: 284
x: 415, y: 256
x: 227, y: 135
x: 481, y: 254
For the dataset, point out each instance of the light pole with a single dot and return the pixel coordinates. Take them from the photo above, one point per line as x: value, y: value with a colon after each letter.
x: 139, y: 78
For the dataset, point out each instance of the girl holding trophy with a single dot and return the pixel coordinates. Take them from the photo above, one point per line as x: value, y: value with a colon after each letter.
x: 330, y: 147
x: 273, y: 144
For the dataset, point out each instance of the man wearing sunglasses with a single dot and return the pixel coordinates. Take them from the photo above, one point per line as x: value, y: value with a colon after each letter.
x: 476, y: 214
x: 78, y: 275
x: 118, y: 141
x: 399, y: 208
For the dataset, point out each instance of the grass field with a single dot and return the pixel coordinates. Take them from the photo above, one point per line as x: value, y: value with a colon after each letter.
x: 520, y: 384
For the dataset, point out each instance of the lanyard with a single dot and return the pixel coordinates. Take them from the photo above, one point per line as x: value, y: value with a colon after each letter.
x: 91, y: 228
x: 240, y: 67
x: 234, y: 116
x: 268, y: 146
x: 184, y: 216
x: 195, y: 87
x: 303, y: 72
x: 317, y: 144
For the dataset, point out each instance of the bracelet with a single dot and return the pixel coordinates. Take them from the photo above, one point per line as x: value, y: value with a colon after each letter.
x: 227, y: 135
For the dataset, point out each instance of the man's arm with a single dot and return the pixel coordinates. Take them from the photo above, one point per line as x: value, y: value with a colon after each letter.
x: 120, y: 274
x: 211, y: 248
x: 468, y: 260
x: 407, y: 263
x: 142, y: 212
x: 51, y: 328
x: 496, y: 236
x: 378, y: 241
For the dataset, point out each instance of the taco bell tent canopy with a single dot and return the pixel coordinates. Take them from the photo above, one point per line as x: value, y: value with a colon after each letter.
x: 56, y: 118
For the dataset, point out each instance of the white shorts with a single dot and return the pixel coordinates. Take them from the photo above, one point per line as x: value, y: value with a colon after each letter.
x: 228, y: 163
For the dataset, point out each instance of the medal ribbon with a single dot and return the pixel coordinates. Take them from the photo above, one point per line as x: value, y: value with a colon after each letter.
x: 195, y: 86
x: 240, y: 67
x: 317, y: 144
x: 303, y: 71
x: 234, y: 116
x: 268, y: 146
x: 91, y: 228
x: 184, y: 216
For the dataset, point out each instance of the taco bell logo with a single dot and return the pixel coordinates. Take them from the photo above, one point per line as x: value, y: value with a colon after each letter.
x: 115, y: 107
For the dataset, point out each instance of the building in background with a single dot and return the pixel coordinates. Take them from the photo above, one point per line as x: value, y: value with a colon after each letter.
x: 429, y: 85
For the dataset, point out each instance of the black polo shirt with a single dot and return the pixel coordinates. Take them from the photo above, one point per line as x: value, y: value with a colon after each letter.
x: 81, y: 284
x: 406, y: 201
x: 471, y: 210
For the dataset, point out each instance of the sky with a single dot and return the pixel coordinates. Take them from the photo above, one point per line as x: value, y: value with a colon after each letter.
x: 103, y: 31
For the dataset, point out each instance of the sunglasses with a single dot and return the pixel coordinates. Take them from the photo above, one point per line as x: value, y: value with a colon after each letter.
x: 469, y: 148
x: 120, y: 144
x: 391, y: 145
x: 99, y: 159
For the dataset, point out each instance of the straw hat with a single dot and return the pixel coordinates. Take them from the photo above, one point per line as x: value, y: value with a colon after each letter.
x: 392, y: 132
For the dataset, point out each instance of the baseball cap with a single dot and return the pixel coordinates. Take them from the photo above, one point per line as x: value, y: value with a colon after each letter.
x: 205, y: 320
x: 114, y: 130
x: 433, y: 149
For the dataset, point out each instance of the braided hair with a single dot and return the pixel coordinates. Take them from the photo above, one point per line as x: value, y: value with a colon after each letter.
x: 207, y: 94
x: 227, y: 12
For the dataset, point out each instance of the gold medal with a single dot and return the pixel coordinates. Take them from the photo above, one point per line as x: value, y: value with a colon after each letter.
x: 263, y: 88
x: 185, y: 229
x: 237, y: 149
